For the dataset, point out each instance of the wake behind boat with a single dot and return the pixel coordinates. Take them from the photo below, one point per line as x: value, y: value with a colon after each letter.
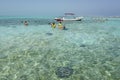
x: 69, y: 17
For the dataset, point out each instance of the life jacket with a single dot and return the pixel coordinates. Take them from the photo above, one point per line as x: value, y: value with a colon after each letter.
x: 53, y: 25
x: 59, y: 24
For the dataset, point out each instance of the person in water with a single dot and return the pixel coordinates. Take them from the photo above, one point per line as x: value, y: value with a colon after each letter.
x: 60, y: 26
x: 26, y: 23
x: 53, y: 25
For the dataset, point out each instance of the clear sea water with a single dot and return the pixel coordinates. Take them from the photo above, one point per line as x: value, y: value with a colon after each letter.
x: 90, y: 47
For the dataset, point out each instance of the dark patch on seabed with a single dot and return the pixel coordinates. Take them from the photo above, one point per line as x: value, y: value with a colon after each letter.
x: 49, y: 34
x: 64, y: 72
x: 83, y: 45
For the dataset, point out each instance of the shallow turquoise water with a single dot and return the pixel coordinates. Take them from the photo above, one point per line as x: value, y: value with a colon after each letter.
x: 90, y: 47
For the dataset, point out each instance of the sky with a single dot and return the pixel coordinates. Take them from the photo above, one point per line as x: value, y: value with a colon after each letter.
x: 59, y: 7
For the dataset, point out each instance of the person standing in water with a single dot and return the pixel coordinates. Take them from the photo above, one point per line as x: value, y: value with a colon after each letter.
x: 53, y: 25
x: 26, y: 23
x: 60, y: 26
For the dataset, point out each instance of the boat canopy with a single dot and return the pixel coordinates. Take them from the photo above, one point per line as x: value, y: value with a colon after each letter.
x: 69, y: 14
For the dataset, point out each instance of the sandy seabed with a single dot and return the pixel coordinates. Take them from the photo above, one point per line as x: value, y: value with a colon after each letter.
x: 90, y: 48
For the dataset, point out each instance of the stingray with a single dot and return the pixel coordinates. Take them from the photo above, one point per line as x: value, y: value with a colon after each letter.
x: 64, y: 72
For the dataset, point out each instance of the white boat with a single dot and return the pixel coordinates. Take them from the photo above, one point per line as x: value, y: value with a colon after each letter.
x: 69, y: 17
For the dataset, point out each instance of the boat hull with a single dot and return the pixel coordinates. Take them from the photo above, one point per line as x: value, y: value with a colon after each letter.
x: 59, y: 19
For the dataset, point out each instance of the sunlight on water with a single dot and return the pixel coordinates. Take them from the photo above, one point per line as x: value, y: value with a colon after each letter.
x: 90, y: 48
